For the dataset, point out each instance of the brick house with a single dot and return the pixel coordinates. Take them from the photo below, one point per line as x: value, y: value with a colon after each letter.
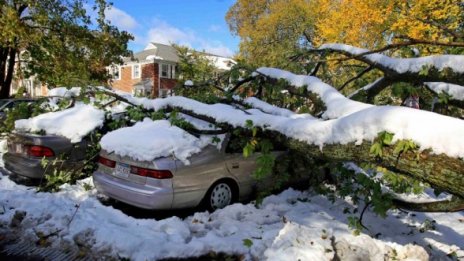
x: 152, y: 72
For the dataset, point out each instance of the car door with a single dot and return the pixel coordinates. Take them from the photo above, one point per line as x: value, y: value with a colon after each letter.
x: 240, y: 167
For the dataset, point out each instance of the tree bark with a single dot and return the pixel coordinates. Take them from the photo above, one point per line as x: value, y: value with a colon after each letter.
x: 6, y: 84
x: 453, y: 205
x: 440, y: 171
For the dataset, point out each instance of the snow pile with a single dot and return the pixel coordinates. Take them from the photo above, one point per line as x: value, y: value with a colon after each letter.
x: 455, y: 91
x: 290, y: 226
x: 73, y: 123
x: 148, y: 140
x: 64, y: 92
x: 403, y: 65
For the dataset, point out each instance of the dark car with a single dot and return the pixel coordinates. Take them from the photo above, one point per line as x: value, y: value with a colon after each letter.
x: 7, y: 104
x: 26, y: 152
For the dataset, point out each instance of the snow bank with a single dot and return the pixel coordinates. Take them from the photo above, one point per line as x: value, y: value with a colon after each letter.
x: 73, y: 123
x: 293, y: 225
x: 148, y: 140
x: 403, y: 65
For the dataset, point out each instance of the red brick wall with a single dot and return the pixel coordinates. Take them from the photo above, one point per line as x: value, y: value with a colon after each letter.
x: 155, y: 80
x: 150, y: 71
x: 126, y: 82
x: 168, y: 83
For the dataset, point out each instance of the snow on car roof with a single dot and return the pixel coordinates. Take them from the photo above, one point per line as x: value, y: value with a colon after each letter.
x: 148, y: 140
x: 73, y: 123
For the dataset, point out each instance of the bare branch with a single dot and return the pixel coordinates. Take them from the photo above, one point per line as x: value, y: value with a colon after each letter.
x: 368, y: 69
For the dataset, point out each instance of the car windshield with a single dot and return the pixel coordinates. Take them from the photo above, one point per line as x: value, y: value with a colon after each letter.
x: 4, y: 102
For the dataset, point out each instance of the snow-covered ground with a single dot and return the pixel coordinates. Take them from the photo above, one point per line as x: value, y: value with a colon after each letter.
x: 294, y: 225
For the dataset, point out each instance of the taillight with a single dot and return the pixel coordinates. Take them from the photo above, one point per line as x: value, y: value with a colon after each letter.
x: 40, y: 151
x: 106, y: 162
x: 151, y: 173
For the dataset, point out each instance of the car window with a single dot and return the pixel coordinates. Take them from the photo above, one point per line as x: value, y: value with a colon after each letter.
x: 3, y: 103
x: 15, y: 103
x: 236, y: 142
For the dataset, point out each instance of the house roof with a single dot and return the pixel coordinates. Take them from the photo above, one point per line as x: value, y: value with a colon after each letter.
x: 168, y: 53
x: 155, y: 51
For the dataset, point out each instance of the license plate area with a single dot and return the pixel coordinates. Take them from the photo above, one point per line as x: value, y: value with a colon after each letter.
x: 17, y: 148
x: 121, y: 170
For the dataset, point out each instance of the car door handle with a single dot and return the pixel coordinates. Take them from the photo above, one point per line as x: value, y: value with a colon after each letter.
x: 235, y: 165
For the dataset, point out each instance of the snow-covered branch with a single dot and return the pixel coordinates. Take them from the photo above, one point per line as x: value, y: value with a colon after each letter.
x: 436, y: 68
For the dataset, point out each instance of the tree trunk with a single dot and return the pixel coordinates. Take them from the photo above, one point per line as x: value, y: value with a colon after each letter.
x: 3, y: 62
x: 440, y: 171
x: 452, y: 205
x: 6, y: 83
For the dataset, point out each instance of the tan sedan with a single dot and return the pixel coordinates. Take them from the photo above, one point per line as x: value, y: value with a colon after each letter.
x: 214, y: 177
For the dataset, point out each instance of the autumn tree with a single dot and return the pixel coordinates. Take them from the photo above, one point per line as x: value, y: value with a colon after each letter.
x: 271, y: 31
x: 58, y: 41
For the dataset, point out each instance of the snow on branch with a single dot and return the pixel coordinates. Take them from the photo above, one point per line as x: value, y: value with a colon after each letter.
x: 455, y: 92
x: 400, y: 65
x: 362, y: 125
x: 336, y: 103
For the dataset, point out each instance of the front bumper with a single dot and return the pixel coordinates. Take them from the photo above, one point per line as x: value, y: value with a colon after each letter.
x: 22, y: 166
x: 147, y: 196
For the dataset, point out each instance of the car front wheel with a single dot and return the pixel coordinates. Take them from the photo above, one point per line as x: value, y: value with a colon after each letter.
x: 219, y: 196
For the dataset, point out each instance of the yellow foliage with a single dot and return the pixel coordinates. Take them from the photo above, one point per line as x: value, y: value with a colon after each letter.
x: 428, y: 19
x: 357, y: 22
x: 272, y: 30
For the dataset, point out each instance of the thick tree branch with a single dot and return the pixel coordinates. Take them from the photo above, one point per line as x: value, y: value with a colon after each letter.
x: 440, y: 171
x: 241, y: 82
x: 452, y: 205
x: 368, y: 69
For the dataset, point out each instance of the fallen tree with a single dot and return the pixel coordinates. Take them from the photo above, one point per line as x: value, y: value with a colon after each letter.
x: 330, y: 139
x: 400, y: 139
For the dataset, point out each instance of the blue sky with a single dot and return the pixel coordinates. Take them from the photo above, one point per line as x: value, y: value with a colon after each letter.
x: 199, y: 24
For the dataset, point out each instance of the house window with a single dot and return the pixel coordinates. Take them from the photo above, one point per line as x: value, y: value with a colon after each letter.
x: 173, y: 71
x: 168, y: 71
x: 136, y: 71
x: 163, y: 93
x: 165, y: 70
x: 115, y: 72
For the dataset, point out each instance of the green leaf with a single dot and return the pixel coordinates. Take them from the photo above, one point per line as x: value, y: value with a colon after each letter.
x: 386, y: 137
x: 254, y: 131
x: 247, y: 242
x: 399, y: 147
x: 247, y: 150
x: 376, y: 150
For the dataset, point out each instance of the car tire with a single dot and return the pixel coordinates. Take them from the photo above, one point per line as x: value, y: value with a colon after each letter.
x: 220, y: 195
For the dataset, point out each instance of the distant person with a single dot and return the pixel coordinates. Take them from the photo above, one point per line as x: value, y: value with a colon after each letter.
x: 412, y: 101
